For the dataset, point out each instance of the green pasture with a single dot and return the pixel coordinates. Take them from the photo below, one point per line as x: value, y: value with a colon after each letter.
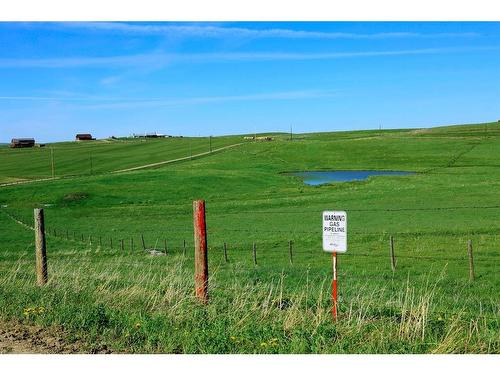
x: 100, y: 156
x: 130, y: 301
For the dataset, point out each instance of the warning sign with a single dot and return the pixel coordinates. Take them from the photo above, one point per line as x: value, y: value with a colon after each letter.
x: 335, y: 231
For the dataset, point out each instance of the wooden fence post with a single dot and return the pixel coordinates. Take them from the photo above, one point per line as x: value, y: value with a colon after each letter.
x: 393, y: 259
x: 225, y: 252
x: 122, y: 247
x: 290, y: 251
x: 131, y: 243
x: 83, y: 240
x: 111, y: 242
x: 471, y: 260
x: 67, y: 234
x: 100, y: 241
x: 200, y: 251
x: 166, y: 248
x: 40, y: 248
x: 143, y: 242
x: 184, y: 249
x: 254, y: 248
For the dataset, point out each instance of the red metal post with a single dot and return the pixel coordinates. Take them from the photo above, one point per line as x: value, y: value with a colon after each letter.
x: 334, y: 287
x: 200, y: 251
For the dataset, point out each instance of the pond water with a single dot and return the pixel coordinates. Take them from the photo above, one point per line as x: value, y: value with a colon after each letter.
x: 325, y: 177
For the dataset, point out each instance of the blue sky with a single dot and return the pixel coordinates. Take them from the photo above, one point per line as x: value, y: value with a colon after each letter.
x: 58, y: 79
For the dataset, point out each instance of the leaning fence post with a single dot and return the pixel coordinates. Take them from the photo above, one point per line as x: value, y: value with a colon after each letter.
x: 200, y: 251
x: 393, y: 258
x: 471, y: 260
x: 225, y: 252
x: 143, y: 242
x: 254, y: 254
x: 40, y: 248
x: 290, y: 251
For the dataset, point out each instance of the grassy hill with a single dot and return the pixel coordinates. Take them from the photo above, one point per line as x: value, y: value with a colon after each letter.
x: 100, y: 295
x: 101, y: 156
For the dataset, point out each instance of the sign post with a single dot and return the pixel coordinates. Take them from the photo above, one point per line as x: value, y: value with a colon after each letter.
x: 334, y: 287
x: 334, y: 241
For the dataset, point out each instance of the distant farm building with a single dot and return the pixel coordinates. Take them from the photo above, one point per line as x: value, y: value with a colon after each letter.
x: 150, y: 135
x: 261, y: 139
x: 22, y: 142
x: 154, y: 135
x: 84, y: 137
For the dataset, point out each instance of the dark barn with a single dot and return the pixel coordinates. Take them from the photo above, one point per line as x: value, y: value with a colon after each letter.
x: 84, y: 137
x: 22, y: 142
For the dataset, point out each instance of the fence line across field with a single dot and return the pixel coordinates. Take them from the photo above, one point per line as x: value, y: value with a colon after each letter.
x: 186, y: 211
x: 239, y: 248
x: 59, y: 233
x: 291, y: 234
x: 201, y: 255
x: 212, y: 227
x: 263, y: 248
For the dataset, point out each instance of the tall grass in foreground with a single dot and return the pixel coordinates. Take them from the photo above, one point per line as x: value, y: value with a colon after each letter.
x: 130, y: 303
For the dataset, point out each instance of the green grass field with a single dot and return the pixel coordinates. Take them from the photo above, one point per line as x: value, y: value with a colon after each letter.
x: 129, y: 301
x: 100, y: 156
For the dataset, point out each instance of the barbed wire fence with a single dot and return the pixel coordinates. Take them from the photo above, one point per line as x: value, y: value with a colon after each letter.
x: 293, y: 249
x: 290, y: 245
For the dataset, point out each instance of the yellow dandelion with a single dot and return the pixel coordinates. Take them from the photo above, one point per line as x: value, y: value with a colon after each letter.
x: 28, y: 311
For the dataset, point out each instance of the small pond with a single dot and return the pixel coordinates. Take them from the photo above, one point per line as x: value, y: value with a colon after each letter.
x: 325, y: 177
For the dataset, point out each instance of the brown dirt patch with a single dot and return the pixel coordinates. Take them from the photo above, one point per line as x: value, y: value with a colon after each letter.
x: 21, y: 338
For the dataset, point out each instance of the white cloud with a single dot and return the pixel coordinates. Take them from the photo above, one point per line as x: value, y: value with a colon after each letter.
x: 211, y: 31
x: 117, y: 103
x: 158, y: 60
x: 110, y: 80
x: 283, y: 95
x: 76, y: 62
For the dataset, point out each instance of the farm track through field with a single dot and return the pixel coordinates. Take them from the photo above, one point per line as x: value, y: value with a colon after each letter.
x: 455, y: 158
x: 145, y: 166
x: 191, y: 157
